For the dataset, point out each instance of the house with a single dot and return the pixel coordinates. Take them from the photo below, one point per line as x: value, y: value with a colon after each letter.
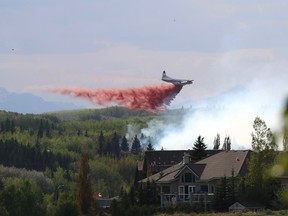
x: 242, y: 206
x: 192, y: 182
x: 156, y: 161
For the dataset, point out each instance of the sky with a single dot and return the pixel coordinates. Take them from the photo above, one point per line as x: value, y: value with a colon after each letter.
x: 221, y: 45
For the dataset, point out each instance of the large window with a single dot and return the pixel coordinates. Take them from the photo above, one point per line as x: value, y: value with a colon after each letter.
x: 188, y: 178
x: 184, y: 192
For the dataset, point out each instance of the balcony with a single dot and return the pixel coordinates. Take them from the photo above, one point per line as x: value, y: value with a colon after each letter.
x: 193, y: 198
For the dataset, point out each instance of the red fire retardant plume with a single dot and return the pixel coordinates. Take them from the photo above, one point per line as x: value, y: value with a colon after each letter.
x: 151, y: 98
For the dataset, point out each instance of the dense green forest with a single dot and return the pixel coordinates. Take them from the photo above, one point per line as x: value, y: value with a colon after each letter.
x: 42, y: 152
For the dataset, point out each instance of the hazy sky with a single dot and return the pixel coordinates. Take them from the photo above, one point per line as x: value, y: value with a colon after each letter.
x: 120, y: 44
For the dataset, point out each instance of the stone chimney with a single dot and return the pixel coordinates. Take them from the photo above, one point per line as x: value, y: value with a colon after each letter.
x: 186, y: 158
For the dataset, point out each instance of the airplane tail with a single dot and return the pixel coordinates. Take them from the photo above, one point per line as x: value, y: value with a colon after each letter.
x: 164, y: 75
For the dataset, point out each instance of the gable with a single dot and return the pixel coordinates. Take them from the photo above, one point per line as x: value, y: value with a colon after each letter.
x: 195, y: 169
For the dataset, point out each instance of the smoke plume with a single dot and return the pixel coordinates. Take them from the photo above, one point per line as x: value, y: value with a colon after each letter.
x: 151, y: 98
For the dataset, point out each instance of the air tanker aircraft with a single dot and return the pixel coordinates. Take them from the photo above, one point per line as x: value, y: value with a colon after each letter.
x: 177, y: 82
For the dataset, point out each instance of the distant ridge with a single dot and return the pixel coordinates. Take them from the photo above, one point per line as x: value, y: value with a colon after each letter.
x: 29, y: 103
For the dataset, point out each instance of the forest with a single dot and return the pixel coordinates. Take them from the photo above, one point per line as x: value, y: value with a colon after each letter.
x: 42, y: 153
x: 55, y: 163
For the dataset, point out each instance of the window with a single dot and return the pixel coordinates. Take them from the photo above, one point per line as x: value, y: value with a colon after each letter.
x: 181, y: 192
x: 184, y: 192
x: 192, y: 189
x: 188, y: 178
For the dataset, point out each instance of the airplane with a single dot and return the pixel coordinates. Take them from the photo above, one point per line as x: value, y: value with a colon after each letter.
x: 177, y: 82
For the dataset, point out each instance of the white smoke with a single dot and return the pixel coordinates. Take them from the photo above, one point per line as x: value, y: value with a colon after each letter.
x: 229, y: 114
x: 132, y: 131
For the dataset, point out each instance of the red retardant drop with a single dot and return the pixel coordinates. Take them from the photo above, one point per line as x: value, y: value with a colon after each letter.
x: 151, y: 98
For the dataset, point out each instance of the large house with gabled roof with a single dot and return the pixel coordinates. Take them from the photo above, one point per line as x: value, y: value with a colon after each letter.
x: 156, y: 161
x: 188, y: 180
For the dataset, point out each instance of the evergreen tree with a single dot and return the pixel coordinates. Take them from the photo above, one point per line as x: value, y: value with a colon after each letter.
x: 7, y: 125
x: 84, y: 197
x: 13, y: 127
x: 150, y: 147
x: 101, y: 143
x: 225, y: 194
x: 220, y: 199
x: 48, y: 131
x: 86, y: 133
x: 108, y: 149
x: 115, y: 145
x: 40, y: 130
x: 217, y: 142
x: 136, y: 146
x: 199, y: 149
x: 124, y: 144
x: 2, y: 127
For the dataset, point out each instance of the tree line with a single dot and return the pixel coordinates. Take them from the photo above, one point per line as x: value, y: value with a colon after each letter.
x: 13, y: 153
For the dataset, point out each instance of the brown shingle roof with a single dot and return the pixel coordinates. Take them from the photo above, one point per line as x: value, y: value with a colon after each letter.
x: 166, y: 175
x: 215, y: 166
x: 160, y: 160
x: 221, y: 164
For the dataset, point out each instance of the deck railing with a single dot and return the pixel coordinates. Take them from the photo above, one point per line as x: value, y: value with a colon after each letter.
x: 174, y: 199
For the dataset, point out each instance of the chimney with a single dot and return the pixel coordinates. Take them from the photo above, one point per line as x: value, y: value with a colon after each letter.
x: 186, y: 158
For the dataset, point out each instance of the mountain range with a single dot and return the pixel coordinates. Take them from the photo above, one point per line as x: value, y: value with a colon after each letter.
x: 29, y: 103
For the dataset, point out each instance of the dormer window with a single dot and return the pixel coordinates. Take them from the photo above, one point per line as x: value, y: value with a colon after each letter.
x: 188, y: 178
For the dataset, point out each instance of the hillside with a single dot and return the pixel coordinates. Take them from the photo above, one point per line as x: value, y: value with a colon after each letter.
x: 54, y: 142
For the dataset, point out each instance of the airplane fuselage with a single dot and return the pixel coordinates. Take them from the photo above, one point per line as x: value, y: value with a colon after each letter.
x: 181, y: 82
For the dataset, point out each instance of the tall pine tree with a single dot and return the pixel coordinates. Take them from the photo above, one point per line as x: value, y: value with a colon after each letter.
x: 115, y: 145
x: 124, y: 144
x: 199, y: 149
x: 84, y: 195
x: 136, y: 146
x: 101, y: 143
